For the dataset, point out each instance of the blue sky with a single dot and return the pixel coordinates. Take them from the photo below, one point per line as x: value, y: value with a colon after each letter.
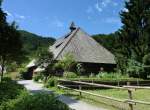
x: 53, y: 17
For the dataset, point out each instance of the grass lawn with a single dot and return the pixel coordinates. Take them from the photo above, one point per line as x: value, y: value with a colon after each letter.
x: 142, y: 95
x: 123, y: 94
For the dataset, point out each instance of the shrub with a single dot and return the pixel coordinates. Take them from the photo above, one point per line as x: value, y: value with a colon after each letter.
x: 80, y: 68
x: 70, y: 75
x: 67, y: 63
x: 40, y: 101
x: 146, y: 61
x: 9, y: 90
x: 101, y: 74
x: 14, y: 97
x: 92, y: 75
x: 135, y: 69
x: 51, y: 82
x: 12, y: 67
x: 105, y: 75
x: 37, y: 77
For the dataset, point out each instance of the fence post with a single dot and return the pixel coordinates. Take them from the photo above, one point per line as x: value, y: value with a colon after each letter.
x: 80, y: 88
x: 130, y: 96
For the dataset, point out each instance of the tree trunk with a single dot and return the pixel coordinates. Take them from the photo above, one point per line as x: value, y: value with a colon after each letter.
x: 3, y: 68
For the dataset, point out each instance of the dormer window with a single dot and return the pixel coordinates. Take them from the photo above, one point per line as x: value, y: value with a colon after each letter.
x: 59, y: 45
x: 67, y: 35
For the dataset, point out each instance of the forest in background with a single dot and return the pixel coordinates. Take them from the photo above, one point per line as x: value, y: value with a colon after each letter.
x: 131, y: 43
x: 33, y: 43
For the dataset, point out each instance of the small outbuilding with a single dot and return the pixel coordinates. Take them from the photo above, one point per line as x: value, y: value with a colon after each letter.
x: 30, y: 69
x: 93, y: 56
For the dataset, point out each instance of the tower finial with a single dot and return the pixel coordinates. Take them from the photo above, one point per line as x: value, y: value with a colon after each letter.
x: 72, y: 26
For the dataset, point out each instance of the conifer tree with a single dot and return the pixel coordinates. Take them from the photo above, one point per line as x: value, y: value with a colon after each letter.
x: 134, y: 36
x: 135, y: 21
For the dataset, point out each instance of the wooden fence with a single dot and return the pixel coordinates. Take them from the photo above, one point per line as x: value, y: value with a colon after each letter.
x: 129, y: 88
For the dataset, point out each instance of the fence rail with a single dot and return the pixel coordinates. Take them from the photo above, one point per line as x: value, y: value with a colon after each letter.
x: 129, y: 88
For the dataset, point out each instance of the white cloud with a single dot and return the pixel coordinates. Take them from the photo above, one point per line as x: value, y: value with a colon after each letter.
x: 105, y: 2
x: 100, y: 5
x: 112, y: 20
x: 125, y: 10
x: 8, y: 13
x: 97, y: 6
x: 21, y: 17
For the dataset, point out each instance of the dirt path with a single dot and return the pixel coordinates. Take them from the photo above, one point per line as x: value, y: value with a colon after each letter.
x: 72, y: 103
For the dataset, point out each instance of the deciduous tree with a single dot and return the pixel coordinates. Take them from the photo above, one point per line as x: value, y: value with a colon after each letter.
x: 10, y: 43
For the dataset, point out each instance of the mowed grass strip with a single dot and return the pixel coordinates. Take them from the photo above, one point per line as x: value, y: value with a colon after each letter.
x: 141, y: 95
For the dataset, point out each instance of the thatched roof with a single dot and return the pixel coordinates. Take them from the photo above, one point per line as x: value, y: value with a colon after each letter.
x: 39, y: 69
x: 83, y: 47
x: 31, y: 63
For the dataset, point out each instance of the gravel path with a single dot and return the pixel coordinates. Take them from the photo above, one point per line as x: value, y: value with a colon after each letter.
x: 72, y: 103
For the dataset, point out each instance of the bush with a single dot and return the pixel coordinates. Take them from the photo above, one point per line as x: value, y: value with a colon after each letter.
x: 70, y: 75
x: 102, y: 75
x: 67, y: 63
x: 51, y: 82
x: 12, y: 67
x: 135, y: 69
x: 9, y: 90
x: 146, y: 61
x: 105, y: 75
x: 14, y: 97
x: 92, y: 75
x: 41, y: 101
x: 37, y: 77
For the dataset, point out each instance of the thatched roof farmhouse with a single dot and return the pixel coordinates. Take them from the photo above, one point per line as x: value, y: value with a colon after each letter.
x: 84, y: 50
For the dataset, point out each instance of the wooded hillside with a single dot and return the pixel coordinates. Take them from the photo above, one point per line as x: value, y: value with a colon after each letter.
x: 32, y: 42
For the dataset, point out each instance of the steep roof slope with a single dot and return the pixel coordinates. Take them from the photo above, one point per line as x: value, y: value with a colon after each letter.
x: 83, y: 47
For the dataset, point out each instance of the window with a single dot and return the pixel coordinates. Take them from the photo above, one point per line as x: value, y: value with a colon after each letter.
x: 59, y: 45
x: 67, y: 35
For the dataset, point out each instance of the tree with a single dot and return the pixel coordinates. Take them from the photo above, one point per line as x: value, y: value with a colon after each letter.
x: 66, y: 63
x: 0, y: 2
x: 134, y: 33
x: 10, y: 43
x: 134, y: 36
x: 44, y: 56
x: 135, y: 69
x: 45, y: 60
x: 146, y: 62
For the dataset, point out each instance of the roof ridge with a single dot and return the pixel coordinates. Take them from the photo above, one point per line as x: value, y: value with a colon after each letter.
x: 68, y: 42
